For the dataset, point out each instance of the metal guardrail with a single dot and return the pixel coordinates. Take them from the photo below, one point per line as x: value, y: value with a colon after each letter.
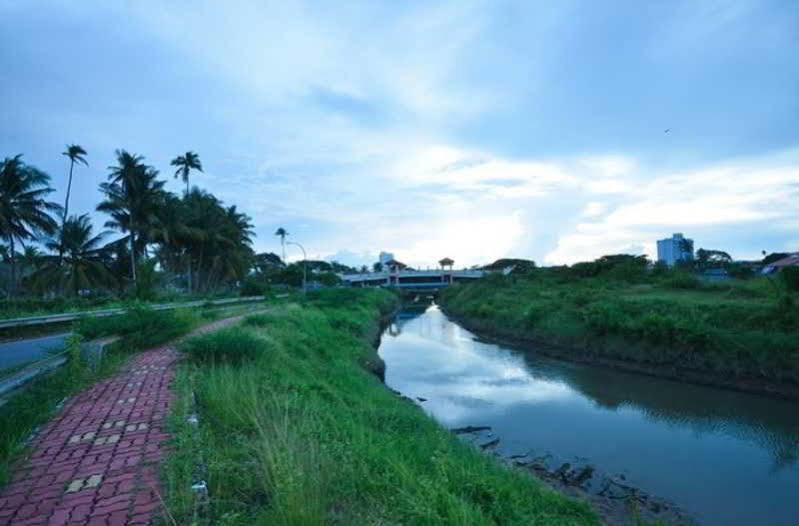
x: 71, y: 316
x: 91, y: 353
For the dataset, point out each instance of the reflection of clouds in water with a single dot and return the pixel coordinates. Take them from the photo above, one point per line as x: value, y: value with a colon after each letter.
x: 459, y: 376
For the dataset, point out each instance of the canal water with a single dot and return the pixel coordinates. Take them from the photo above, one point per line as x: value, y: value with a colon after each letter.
x: 724, y: 457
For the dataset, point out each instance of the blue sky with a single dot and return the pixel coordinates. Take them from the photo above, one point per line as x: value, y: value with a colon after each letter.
x: 469, y: 129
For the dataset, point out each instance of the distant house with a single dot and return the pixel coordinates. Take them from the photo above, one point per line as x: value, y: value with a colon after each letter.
x: 674, y: 249
x: 775, y: 266
x: 716, y: 274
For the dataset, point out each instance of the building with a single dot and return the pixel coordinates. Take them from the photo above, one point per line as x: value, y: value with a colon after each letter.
x: 385, y: 257
x: 674, y: 249
x: 775, y: 266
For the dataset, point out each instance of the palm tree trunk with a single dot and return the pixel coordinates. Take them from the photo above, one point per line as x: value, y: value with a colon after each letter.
x: 187, y: 184
x: 13, y: 288
x: 66, y: 212
x: 188, y: 273
x: 132, y: 258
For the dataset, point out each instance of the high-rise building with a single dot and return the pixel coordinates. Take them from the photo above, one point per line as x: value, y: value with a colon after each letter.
x: 675, y: 248
x: 385, y: 257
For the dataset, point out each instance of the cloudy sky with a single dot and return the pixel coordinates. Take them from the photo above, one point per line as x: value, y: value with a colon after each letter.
x: 469, y: 129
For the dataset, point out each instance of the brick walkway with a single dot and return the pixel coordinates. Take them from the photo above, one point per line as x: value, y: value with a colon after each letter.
x: 96, y: 462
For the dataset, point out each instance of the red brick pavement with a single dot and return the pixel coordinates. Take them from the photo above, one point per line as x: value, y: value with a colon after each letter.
x: 96, y: 462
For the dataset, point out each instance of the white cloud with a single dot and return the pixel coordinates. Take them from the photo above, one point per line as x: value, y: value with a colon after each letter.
x: 593, y: 209
x: 741, y: 192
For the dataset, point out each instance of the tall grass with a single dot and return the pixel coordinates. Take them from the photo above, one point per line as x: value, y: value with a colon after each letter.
x: 302, y: 434
x: 737, y: 328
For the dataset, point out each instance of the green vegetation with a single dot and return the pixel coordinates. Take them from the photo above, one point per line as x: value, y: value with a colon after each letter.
x: 232, y: 346
x: 297, y: 432
x: 669, y: 319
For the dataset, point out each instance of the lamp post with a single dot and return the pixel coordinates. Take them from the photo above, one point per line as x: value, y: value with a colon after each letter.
x: 304, y: 263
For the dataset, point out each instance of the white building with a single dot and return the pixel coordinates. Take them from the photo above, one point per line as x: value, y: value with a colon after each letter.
x: 674, y: 249
x: 385, y: 257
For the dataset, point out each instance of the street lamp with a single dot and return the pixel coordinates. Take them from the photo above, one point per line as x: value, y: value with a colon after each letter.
x: 304, y: 264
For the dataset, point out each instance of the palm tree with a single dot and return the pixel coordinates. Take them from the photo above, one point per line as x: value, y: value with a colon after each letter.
x: 133, y: 194
x: 174, y: 236
x: 186, y: 163
x: 76, y: 154
x: 282, y: 233
x: 23, y: 207
x: 82, y: 253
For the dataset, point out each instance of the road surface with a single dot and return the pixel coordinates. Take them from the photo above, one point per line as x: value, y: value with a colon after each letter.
x: 12, y: 353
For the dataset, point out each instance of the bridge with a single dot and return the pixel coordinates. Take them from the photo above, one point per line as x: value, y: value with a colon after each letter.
x: 411, y: 279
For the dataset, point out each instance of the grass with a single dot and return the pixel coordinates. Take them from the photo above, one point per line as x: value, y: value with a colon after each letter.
x: 299, y: 433
x: 736, y: 328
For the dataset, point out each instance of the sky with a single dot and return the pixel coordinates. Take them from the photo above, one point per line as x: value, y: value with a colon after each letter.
x: 554, y: 131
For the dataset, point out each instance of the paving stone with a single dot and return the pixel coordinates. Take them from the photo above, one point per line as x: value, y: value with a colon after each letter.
x: 75, y: 485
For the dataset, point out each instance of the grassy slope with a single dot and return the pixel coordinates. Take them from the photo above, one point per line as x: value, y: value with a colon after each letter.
x: 734, y: 330
x: 302, y: 434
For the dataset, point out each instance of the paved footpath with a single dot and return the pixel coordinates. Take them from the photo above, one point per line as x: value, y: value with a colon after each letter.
x: 96, y: 462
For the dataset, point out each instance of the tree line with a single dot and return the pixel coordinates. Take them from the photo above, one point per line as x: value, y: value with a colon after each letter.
x: 194, y: 235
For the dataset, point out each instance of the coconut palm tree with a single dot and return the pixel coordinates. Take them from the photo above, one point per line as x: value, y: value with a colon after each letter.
x: 80, y: 265
x: 75, y: 153
x: 282, y: 233
x: 24, y: 210
x: 133, y: 193
x: 186, y: 163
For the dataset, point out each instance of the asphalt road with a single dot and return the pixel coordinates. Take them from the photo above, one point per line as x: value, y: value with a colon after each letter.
x: 12, y: 353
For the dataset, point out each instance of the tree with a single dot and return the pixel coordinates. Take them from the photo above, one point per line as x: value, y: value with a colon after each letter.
x: 75, y: 153
x: 212, y: 241
x: 80, y: 263
x: 377, y: 267
x: 186, y: 163
x: 706, y: 259
x: 24, y: 210
x: 133, y: 194
x: 282, y: 233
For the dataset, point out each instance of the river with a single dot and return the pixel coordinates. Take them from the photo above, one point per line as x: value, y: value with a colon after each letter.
x: 725, y: 457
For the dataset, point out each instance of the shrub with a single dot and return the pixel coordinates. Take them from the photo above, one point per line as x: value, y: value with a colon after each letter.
x: 683, y: 280
x: 254, y: 287
x: 232, y: 345
x: 790, y: 278
x: 738, y: 271
x: 259, y: 320
x: 605, y: 317
x: 140, y: 327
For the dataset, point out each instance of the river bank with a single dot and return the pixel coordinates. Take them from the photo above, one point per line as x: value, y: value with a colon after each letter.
x: 296, y: 431
x: 737, y: 341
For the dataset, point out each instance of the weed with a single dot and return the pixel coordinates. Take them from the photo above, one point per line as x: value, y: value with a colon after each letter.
x: 232, y: 345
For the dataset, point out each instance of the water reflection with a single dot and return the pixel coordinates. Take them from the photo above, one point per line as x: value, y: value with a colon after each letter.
x: 728, y: 456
